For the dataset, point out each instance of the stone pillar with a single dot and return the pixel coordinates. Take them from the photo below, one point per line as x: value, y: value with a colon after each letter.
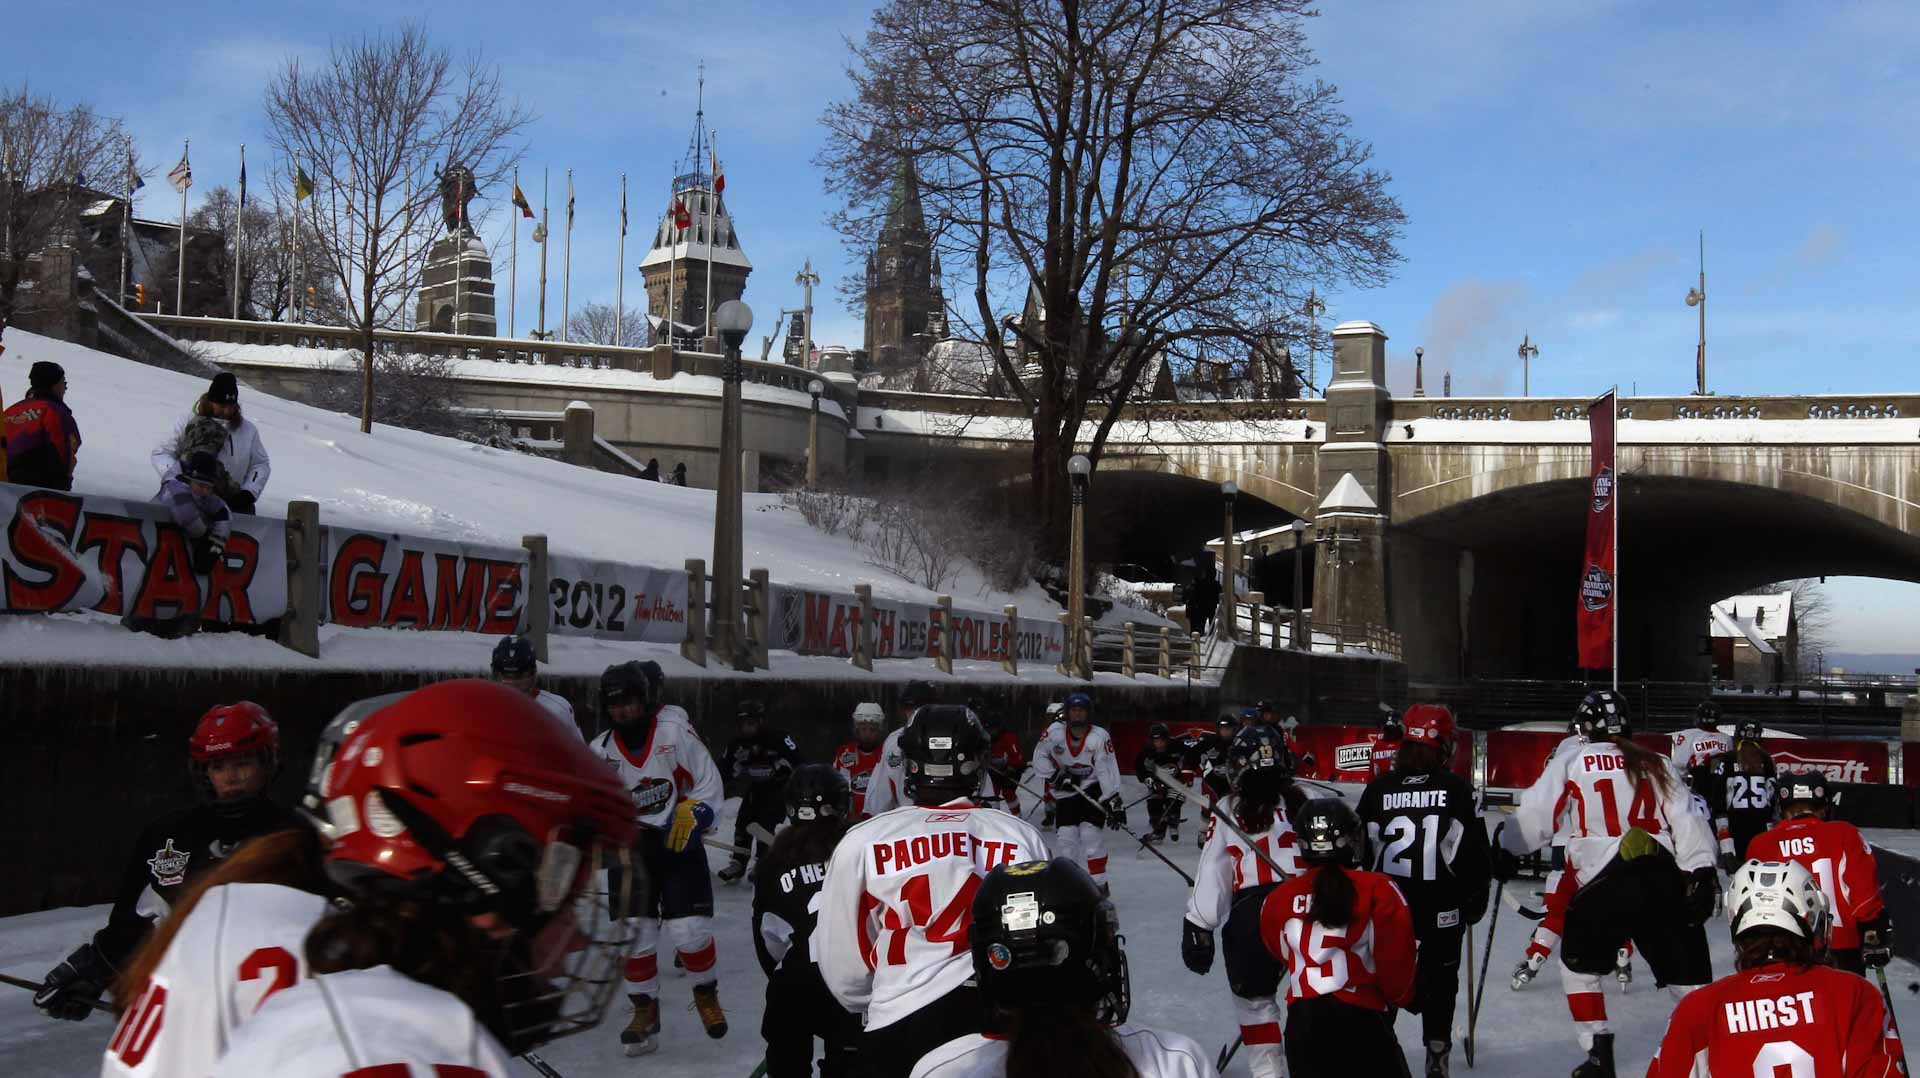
x: 1355, y: 482
x: 456, y: 294
x: 576, y: 434
x: 1349, y: 583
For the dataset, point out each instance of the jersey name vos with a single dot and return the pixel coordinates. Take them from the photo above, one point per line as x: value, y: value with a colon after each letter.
x: 1840, y: 862
x: 671, y: 767
x: 364, y: 1023
x: 1781, y: 1021
x: 1367, y: 962
x: 1592, y: 793
x: 1156, y: 1053
x: 1228, y: 865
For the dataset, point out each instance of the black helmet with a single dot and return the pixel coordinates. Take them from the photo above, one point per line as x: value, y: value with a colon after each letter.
x: 916, y: 694
x: 945, y: 753
x: 1043, y: 935
x: 817, y: 791
x: 750, y: 711
x: 987, y: 717
x: 1260, y: 764
x: 513, y: 656
x: 1158, y: 730
x: 1390, y: 726
x: 1706, y: 715
x: 1603, y: 714
x: 1804, y: 786
x: 629, y: 680
x: 1329, y: 833
x: 1748, y: 730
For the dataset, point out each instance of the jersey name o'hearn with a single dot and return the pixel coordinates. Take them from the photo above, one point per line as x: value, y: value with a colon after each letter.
x: 902, y: 854
x: 1413, y: 799
x: 1753, y: 1015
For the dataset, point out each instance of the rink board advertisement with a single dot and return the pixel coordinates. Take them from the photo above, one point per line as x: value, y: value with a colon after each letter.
x: 613, y: 601
x: 382, y: 580
x: 824, y: 623
x: 1515, y: 758
x: 1345, y: 753
x: 69, y: 552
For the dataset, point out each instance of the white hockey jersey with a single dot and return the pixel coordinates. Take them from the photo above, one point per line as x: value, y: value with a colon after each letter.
x: 242, y: 943
x: 1156, y: 1053
x: 1692, y: 748
x: 364, y: 1022
x: 1592, y: 792
x: 898, y: 902
x: 562, y: 711
x: 673, y: 766
x: 883, y: 786
x: 1090, y: 762
x: 1228, y: 864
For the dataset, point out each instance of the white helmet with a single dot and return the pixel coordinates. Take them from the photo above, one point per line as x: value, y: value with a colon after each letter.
x: 1778, y: 894
x: 869, y: 713
x: 1055, y: 708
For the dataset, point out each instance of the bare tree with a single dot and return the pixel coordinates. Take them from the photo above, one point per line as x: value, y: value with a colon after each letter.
x: 45, y: 146
x: 372, y: 126
x: 1812, y: 619
x: 259, y: 240
x: 594, y: 324
x: 1126, y: 182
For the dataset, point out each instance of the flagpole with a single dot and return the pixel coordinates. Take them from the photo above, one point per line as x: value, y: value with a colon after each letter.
x: 239, y: 230
x: 620, y: 276
x: 299, y: 265
x: 180, y: 274
x: 513, y: 255
x: 712, y: 198
x: 566, y: 264
x: 545, y: 238
x: 1618, y: 487
x: 460, y: 252
x: 673, y: 249
x: 126, y: 225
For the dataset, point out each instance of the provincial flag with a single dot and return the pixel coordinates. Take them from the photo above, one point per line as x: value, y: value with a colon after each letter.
x: 134, y: 182
x: 681, y: 218
x: 569, y: 200
x: 520, y: 200
x: 182, y: 175
x: 243, y: 177
x: 623, y: 205
x: 302, y: 184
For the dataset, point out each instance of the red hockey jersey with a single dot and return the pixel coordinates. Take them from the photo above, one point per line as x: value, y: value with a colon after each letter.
x: 1383, y: 753
x: 1816, y: 1022
x: 1839, y: 859
x: 856, y: 765
x: 1367, y: 963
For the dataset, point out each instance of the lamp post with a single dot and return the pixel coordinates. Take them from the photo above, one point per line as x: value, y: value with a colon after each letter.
x: 1697, y: 297
x: 1079, y: 468
x: 814, y: 389
x: 806, y: 279
x: 1301, y: 639
x: 733, y: 320
x: 1228, y: 491
x: 1529, y: 351
x: 1419, y: 372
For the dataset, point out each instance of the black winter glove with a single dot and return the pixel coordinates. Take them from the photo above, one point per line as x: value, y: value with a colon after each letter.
x: 1876, y: 943
x: 1196, y: 947
x: 72, y: 987
x: 1116, y: 813
x: 1703, y: 892
x: 240, y: 501
x: 1506, y: 863
x: 1475, y: 907
x: 1730, y: 863
x: 1047, y: 817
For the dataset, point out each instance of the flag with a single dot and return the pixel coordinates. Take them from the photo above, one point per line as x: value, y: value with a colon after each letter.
x: 182, y: 175
x: 79, y: 179
x: 134, y: 182
x: 681, y: 218
x: 302, y: 184
x: 719, y: 177
x: 569, y: 200
x: 520, y: 200
x: 623, y: 206
x: 1595, y: 613
x: 243, y: 177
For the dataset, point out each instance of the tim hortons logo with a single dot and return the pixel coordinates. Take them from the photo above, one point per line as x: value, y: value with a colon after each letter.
x: 1834, y: 770
x: 1596, y: 588
x: 1603, y: 489
x: 1353, y: 757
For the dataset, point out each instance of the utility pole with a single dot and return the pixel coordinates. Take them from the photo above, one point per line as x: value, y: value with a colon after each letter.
x: 1697, y: 297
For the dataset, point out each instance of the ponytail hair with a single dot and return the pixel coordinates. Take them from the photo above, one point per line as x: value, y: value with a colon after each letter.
x: 1764, y: 946
x: 1417, y: 756
x: 807, y: 842
x: 1333, y: 897
x: 1752, y: 757
x: 1063, y: 1042
x: 1643, y: 765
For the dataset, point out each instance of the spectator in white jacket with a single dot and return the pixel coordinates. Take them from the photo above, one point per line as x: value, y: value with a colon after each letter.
x: 238, y: 447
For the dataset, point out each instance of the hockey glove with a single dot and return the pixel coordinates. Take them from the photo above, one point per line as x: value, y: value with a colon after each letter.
x: 1876, y: 943
x: 1196, y: 947
x: 1048, y: 817
x: 71, y: 988
x: 690, y: 821
x: 1729, y: 863
x: 1475, y: 906
x: 1506, y: 864
x: 1703, y: 892
x: 1116, y: 813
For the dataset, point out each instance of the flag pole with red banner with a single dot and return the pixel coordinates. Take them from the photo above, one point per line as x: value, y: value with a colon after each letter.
x: 1598, y: 612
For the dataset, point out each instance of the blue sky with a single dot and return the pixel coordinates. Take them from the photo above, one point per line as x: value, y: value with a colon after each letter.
x: 1556, y: 162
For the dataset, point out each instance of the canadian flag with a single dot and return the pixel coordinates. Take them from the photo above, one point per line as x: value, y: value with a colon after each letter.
x: 681, y: 218
x: 719, y: 177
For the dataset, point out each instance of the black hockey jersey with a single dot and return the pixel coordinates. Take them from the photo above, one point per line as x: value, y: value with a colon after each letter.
x: 1149, y: 759
x: 169, y: 855
x: 760, y: 761
x: 785, y: 901
x: 1739, y: 798
x: 1427, y: 835
x: 1206, y: 756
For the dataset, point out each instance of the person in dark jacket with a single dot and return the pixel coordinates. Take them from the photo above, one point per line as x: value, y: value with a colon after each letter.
x: 197, y: 510
x: 756, y: 765
x: 680, y: 474
x: 652, y: 470
x: 1203, y: 596
x: 217, y: 426
x: 1163, y: 808
x: 42, y: 439
x: 786, y: 890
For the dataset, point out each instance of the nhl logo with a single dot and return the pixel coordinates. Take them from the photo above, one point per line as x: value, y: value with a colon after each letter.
x: 1603, y: 489
x: 1596, y: 588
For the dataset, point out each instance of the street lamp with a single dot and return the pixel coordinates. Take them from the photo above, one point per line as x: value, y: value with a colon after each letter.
x: 814, y: 389
x: 1528, y: 353
x: 1301, y: 639
x: 1419, y: 372
x: 1079, y: 468
x: 733, y: 320
x: 1228, y: 491
x: 1697, y: 297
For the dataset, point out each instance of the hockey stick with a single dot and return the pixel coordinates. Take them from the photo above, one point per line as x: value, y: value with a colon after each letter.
x: 760, y: 834
x: 1144, y: 844
x: 1470, y: 999
x: 540, y: 1065
x: 99, y: 1005
x: 1221, y: 818
x: 1227, y: 1053
x: 1486, y: 963
x: 1881, y: 973
x: 722, y: 844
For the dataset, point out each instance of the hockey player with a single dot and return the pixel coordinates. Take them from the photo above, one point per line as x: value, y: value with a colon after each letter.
x: 786, y: 891
x: 1559, y: 886
x: 1841, y: 863
x: 1643, y: 859
x: 1005, y: 763
x: 894, y: 914
x: 883, y: 786
x: 757, y: 763
x: 1346, y: 936
x: 1046, y: 951
x: 1693, y: 748
x: 515, y: 667
x: 1738, y: 788
x: 1229, y: 886
x: 1163, y: 807
x: 674, y: 787
x: 1076, y: 766
x: 1210, y: 764
x: 232, y: 755
x: 471, y: 933
x: 1782, y: 1012
x: 1427, y: 835
x: 1386, y: 747
x: 856, y: 759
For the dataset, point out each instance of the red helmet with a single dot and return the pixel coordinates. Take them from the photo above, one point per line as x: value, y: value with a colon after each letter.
x: 230, y: 730
x: 464, y: 795
x: 1429, y: 724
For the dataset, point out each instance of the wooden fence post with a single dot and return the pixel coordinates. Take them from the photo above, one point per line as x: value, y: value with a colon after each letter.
x: 694, y: 647
x: 759, y: 616
x: 300, y: 625
x: 1254, y: 600
x: 943, y: 658
x: 1086, y: 647
x: 1126, y: 658
x: 539, y: 607
x: 1070, y: 652
x: 863, y: 632
x: 1165, y: 667
x: 1011, y: 664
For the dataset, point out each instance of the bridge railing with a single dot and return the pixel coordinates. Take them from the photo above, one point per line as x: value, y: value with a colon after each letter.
x: 1134, y: 649
x: 1542, y: 409
x: 1262, y: 625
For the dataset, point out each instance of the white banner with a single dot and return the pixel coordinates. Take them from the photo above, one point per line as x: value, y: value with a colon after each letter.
x: 66, y: 551
x: 824, y: 623
x: 378, y: 579
x: 615, y: 601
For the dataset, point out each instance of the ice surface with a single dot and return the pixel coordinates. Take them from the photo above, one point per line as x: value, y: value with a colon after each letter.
x: 1521, y: 1034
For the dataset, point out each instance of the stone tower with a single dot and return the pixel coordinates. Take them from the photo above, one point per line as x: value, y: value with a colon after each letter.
x: 906, y: 310
x: 675, y: 269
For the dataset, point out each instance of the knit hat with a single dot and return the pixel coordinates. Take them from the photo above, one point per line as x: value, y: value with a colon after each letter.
x: 45, y: 375
x: 224, y: 390
x: 201, y: 467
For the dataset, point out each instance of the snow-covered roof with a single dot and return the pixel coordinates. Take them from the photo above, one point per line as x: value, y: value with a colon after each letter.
x: 1727, y: 627
x: 100, y: 207
x: 670, y: 243
x: 1769, y: 615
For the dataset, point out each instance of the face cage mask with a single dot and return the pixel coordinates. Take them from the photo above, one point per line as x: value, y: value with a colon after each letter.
x: 561, y: 979
x: 201, y: 771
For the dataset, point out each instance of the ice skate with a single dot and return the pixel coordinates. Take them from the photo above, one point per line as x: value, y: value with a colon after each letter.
x: 1174, y: 834
x: 735, y: 869
x: 1524, y: 973
x: 706, y: 1000
x: 1623, y: 966
x: 1599, y: 1061
x: 642, y: 1034
x: 1439, y: 1056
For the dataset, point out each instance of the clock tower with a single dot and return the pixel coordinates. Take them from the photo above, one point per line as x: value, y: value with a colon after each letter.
x: 906, y: 310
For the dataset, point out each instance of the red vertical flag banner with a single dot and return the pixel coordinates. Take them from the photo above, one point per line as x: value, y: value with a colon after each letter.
x: 1598, y: 593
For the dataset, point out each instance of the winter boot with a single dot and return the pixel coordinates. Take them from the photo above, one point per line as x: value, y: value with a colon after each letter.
x: 1524, y: 973
x: 1439, y: 1056
x: 706, y: 1000
x: 642, y: 1034
x: 1623, y: 966
x: 735, y: 869
x: 1599, y: 1062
